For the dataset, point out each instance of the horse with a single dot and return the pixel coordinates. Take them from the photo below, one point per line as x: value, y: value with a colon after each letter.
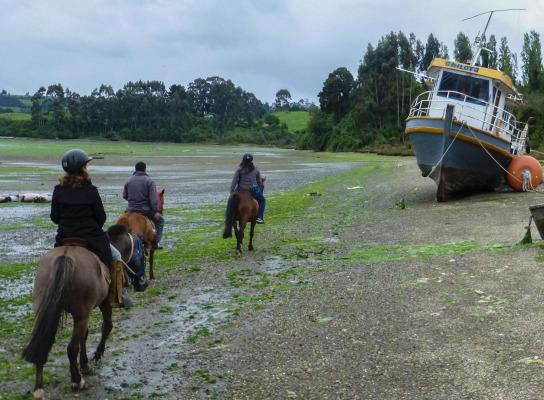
x: 69, y: 279
x: 241, y: 208
x: 141, y: 226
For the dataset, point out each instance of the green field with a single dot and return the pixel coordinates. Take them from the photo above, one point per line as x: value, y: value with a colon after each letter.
x: 15, y: 116
x: 295, y: 120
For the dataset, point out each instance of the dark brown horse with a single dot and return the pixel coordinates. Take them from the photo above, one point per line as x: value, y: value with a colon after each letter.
x: 69, y: 279
x: 141, y: 226
x: 241, y: 208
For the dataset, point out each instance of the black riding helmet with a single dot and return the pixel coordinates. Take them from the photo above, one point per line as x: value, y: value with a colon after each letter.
x: 247, y: 157
x: 74, y: 160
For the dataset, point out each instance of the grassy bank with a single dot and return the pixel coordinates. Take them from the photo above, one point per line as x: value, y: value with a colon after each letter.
x: 296, y: 121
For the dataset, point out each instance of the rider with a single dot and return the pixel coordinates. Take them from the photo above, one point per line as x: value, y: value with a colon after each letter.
x: 141, y: 193
x: 247, y: 177
x: 77, y: 209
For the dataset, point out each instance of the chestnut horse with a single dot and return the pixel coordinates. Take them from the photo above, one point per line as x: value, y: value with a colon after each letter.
x: 141, y: 226
x: 241, y: 208
x: 69, y: 279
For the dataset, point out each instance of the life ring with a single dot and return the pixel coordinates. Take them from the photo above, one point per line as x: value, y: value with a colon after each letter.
x: 524, y: 173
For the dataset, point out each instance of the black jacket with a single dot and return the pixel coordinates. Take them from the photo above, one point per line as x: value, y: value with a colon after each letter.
x: 79, y: 212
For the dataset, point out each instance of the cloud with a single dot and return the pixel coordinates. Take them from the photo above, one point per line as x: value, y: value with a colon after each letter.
x: 262, y: 45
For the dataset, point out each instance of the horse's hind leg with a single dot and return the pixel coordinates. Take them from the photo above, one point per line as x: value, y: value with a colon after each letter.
x: 107, y: 325
x: 251, y: 231
x: 39, y: 393
x: 239, y: 232
x: 78, y: 335
x: 240, y: 237
x: 83, y: 360
x: 151, y: 261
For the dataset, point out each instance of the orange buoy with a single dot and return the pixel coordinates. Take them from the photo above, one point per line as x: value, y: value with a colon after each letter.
x: 525, y: 173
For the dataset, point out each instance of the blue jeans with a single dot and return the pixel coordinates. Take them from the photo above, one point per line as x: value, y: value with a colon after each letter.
x: 159, y: 225
x: 258, y: 195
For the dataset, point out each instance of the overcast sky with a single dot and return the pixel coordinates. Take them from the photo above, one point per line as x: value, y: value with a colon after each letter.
x: 261, y: 45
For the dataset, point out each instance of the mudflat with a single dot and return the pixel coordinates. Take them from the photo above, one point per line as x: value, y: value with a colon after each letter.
x: 361, y: 286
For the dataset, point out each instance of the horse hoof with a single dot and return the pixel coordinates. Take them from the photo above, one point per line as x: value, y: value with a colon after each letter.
x: 97, y: 361
x: 238, y: 253
x: 86, y: 369
x: 39, y: 394
x: 250, y: 248
x: 79, y: 386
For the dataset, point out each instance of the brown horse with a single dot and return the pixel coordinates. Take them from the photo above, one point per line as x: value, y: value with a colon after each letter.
x: 241, y: 208
x: 69, y: 279
x: 141, y: 226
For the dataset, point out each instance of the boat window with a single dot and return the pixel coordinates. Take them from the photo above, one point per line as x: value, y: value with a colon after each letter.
x: 464, y: 87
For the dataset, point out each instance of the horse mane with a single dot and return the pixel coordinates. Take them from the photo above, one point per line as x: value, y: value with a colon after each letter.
x: 117, y: 230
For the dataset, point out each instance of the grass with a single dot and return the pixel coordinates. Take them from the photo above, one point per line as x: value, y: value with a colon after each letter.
x: 15, y: 116
x: 295, y: 120
x: 381, y: 254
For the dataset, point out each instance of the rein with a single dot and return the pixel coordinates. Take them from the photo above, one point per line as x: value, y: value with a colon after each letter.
x: 131, y: 247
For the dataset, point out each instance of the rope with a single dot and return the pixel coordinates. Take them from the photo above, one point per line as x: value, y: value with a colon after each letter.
x: 536, y: 151
x: 491, y: 155
x: 447, y: 149
x: 526, y: 183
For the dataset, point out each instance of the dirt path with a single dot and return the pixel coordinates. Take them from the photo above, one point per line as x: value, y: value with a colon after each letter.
x: 348, y: 297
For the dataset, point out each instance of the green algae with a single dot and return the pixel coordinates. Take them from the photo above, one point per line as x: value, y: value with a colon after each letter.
x: 387, y: 253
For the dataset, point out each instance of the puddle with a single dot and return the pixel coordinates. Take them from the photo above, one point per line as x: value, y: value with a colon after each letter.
x: 198, y: 177
x: 161, y: 346
x: 12, y: 288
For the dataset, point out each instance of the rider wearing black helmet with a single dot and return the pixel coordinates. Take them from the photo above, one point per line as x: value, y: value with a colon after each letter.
x: 78, y: 211
x: 247, y: 177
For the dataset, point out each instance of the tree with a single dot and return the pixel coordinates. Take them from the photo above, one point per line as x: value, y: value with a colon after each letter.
x: 56, y: 94
x: 489, y: 54
x: 334, y: 97
x: 36, y: 109
x: 531, y: 56
x: 462, y: 51
x: 507, y: 61
x: 432, y: 50
x: 73, y: 100
x: 283, y: 98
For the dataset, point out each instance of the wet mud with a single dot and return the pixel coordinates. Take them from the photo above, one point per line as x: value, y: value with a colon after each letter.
x: 346, y: 297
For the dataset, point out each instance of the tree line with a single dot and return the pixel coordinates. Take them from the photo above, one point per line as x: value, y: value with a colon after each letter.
x: 207, y: 109
x: 371, y: 108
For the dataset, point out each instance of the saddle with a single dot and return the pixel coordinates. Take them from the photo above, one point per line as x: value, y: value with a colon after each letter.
x: 74, y: 241
x: 78, y: 242
x: 145, y: 216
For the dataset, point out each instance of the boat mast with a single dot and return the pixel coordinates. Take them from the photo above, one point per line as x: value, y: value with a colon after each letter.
x: 479, y: 41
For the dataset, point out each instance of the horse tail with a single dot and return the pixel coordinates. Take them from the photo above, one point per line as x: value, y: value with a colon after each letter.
x: 49, y: 313
x: 232, y: 205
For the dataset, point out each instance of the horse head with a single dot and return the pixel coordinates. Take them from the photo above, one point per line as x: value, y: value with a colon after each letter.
x: 160, y: 199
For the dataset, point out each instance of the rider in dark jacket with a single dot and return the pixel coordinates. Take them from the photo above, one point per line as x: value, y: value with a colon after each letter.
x: 247, y: 177
x: 78, y: 211
x: 141, y: 193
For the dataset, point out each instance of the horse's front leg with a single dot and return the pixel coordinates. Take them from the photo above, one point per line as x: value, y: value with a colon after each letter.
x: 251, y: 230
x: 107, y: 325
x: 78, y: 334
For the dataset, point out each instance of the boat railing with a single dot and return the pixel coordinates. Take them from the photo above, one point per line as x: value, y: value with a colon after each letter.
x: 475, y: 112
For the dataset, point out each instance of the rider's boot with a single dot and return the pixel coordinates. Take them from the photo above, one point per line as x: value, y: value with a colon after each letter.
x: 115, y: 295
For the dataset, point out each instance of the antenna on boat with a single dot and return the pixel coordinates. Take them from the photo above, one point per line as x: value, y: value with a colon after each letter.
x: 479, y: 41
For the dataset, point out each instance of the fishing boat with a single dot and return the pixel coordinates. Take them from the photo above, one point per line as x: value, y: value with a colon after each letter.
x: 463, y: 130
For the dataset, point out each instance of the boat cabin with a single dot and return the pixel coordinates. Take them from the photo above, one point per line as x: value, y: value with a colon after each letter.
x: 484, y: 98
